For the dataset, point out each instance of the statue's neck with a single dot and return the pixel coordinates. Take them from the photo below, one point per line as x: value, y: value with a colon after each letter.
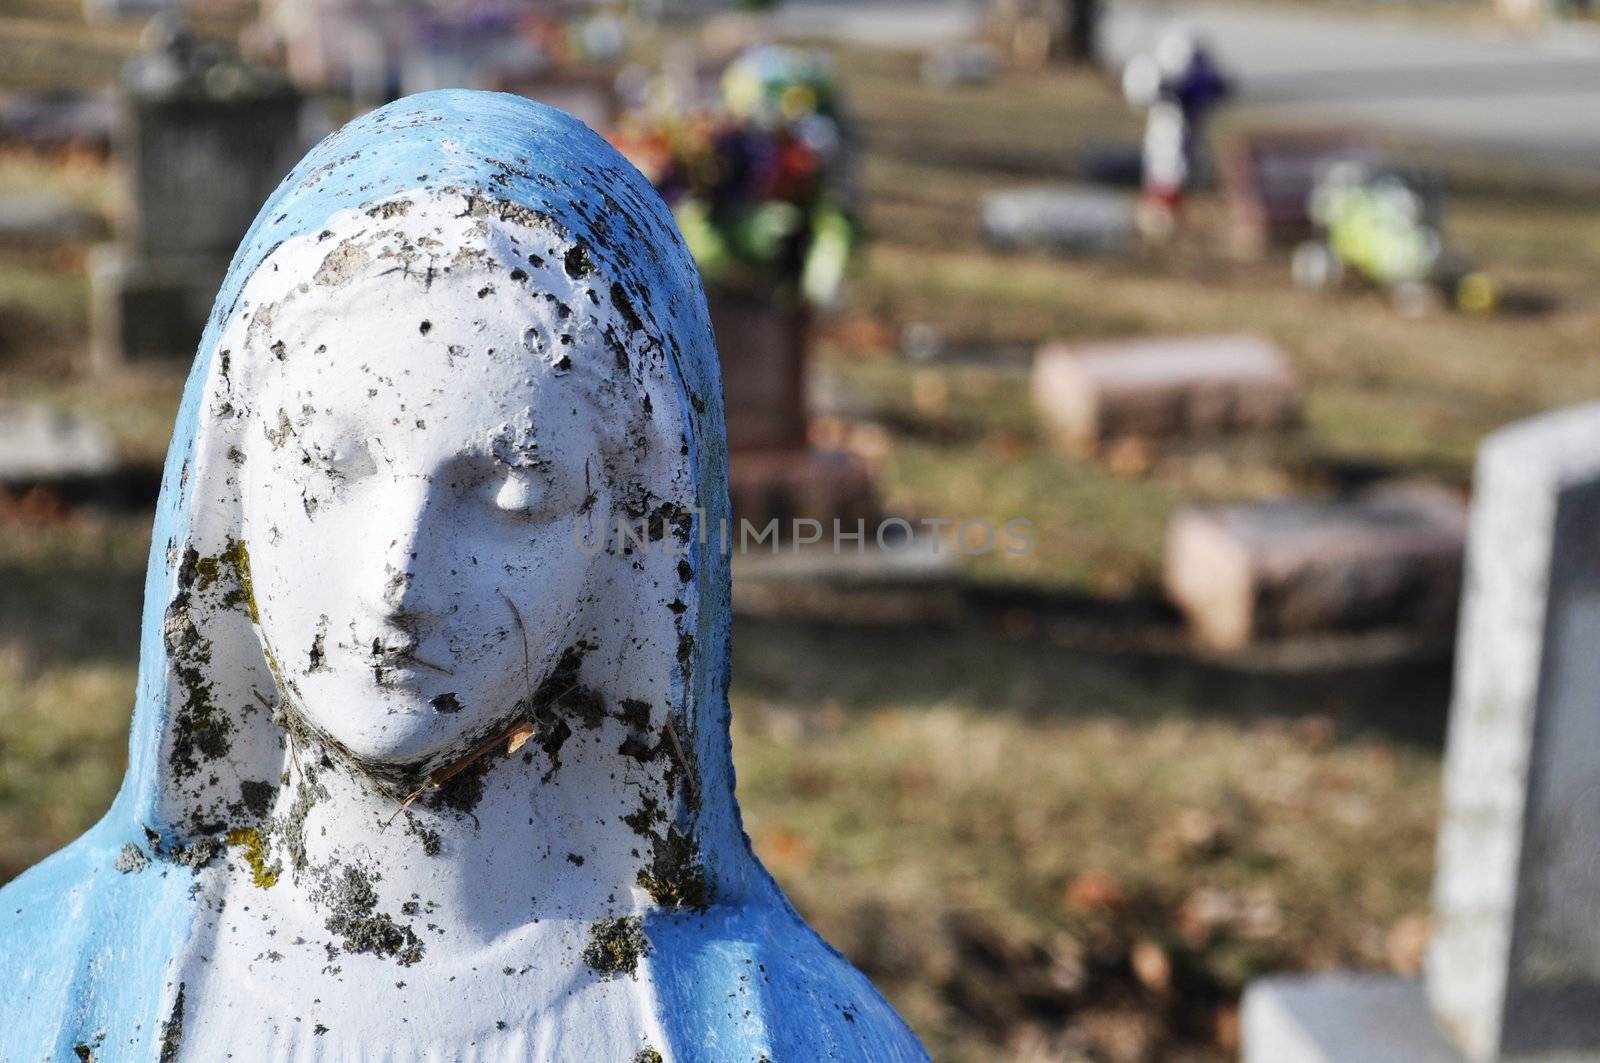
x: 596, y: 830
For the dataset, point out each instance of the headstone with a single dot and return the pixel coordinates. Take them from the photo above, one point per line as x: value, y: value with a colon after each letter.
x: 1267, y: 182
x: 1386, y: 558
x: 205, y: 140
x: 809, y: 482
x: 1065, y: 219
x: 1341, y: 1018
x: 1089, y: 394
x: 1513, y: 968
x: 1515, y: 959
x: 44, y: 220
x: 42, y: 444
x: 763, y: 336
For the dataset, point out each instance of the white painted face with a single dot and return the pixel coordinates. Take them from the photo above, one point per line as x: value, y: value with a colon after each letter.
x: 423, y: 440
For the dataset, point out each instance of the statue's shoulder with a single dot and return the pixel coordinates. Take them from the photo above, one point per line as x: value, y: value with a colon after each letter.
x: 760, y: 977
x: 42, y: 922
x: 36, y: 902
x: 86, y: 937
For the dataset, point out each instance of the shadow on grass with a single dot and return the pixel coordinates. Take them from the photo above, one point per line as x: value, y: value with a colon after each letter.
x: 72, y: 594
x: 1093, y: 658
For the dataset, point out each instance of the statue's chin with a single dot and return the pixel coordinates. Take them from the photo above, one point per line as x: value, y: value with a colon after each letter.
x: 402, y: 731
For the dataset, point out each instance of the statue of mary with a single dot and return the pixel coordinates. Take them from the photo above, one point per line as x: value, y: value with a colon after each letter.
x: 426, y: 764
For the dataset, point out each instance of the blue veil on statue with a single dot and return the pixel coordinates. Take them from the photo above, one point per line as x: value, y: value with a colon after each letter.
x: 94, y: 941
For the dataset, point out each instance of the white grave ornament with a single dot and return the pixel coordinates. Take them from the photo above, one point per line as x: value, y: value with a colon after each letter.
x: 426, y: 765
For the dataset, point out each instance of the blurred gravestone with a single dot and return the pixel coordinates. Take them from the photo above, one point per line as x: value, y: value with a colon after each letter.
x: 1513, y: 971
x: 1389, y: 558
x: 1069, y: 220
x: 1267, y: 183
x: 763, y: 336
x: 1515, y: 958
x: 41, y: 444
x: 960, y: 64
x: 205, y: 140
x: 1090, y: 394
x: 44, y: 220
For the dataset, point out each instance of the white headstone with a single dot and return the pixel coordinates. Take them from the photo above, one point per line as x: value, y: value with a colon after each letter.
x: 1514, y: 966
x: 1063, y: 219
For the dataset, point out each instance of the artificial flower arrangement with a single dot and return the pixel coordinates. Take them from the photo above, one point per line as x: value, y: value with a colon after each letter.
x: 757, y: 180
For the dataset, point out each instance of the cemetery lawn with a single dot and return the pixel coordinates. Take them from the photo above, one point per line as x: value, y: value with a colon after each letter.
x: 1408, y: 397
x: 1039, y: 852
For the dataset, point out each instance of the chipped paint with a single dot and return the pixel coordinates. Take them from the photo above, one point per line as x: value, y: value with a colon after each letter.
x: 446, y: 755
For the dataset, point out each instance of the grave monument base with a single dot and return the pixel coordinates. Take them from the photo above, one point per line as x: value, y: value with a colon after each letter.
x: 148, y: 309
x: 786, y: 485
x: 1341, y: 1018
x: 1346, y: 1017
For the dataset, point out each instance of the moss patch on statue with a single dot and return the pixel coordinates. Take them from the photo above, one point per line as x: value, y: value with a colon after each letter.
x: 616, y: 945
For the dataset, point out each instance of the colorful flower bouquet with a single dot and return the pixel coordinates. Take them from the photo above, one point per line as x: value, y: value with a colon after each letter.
x: 756, y: 182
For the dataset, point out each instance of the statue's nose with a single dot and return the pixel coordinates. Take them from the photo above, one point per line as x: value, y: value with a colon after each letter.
x: 401, y: 519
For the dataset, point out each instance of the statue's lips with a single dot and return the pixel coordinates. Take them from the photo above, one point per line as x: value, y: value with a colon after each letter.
x: 398, y: 663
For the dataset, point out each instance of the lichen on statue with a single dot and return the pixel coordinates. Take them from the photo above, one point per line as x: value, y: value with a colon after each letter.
x: 415, y: 772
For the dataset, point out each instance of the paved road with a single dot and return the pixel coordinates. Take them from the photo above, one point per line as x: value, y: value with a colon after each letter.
x: 1492, y: 87
x: 880, y: 23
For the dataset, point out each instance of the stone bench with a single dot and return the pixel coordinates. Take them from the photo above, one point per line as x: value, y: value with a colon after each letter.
x: 1385, y: 558
x: 1087, y: 395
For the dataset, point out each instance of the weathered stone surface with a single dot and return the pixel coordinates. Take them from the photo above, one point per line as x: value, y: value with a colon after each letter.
x: 432, y: 720
x: 1514, y: 967
x: 1194, y: 385
x: 1063, y: 219
x: 1291, y: 566
x: 42, y: 444
x: 1340, y: 1018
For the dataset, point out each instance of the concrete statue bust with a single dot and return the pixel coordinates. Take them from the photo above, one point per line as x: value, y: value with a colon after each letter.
x: 417, y: 771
